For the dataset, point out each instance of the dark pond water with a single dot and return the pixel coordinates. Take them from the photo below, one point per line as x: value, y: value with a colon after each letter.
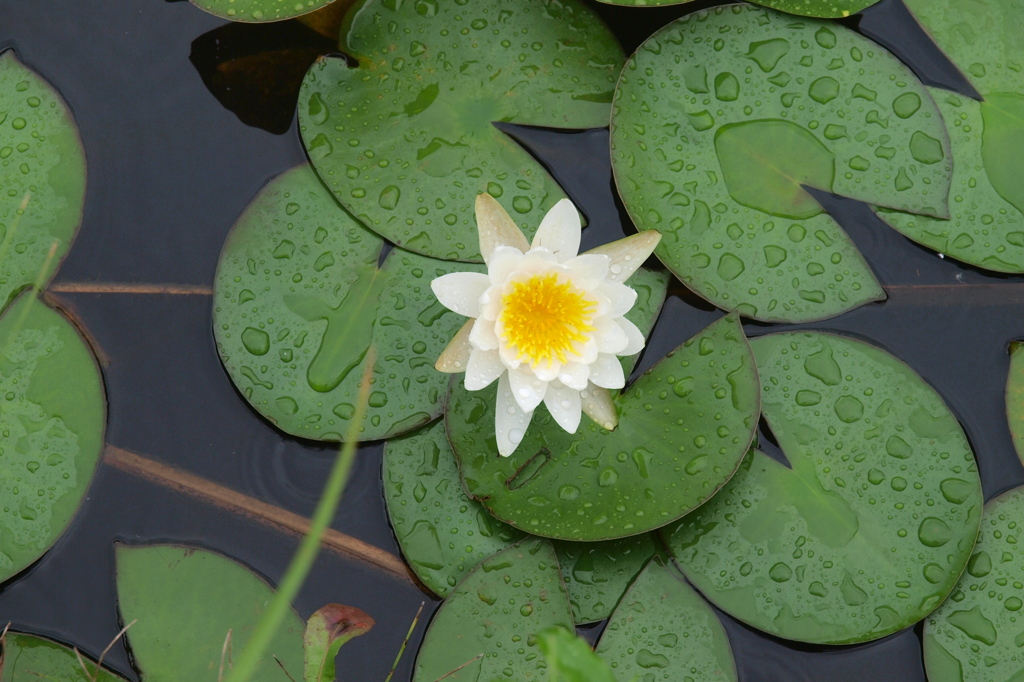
x: 179, y: 138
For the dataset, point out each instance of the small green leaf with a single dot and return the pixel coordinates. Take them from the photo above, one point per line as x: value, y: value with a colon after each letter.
x: 570, y: 658
x: 986, y: 227
x: 53, y: 420
x: 257, y: 11
x: 827, y: 9
x: 868, y: 530
x: 723, y: 118
x: 27, y: 658
x: 327, y: 631
x: 444, y: 533
x: 405, y: 140
x: 662, y: 624
x: 975, y: 636
x: 186, y: 603
x: 42, y: 173
x: 299, y: 301
x: 487, y: 629
x: 684, y: 427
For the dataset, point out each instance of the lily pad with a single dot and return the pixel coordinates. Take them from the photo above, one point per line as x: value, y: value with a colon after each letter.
x: 27, y: 657
x: 258, y: 11
x: 185, y: 601
x: 684, y: 427
x: 720, y: 121
x: 53, y: 420
x: 982, y: 37
x: 986, y: 225
x: 827, y: 9
x: 1015, y: 397
x: 299, y: 302
x: 444, y: 533
x: 663, y: 630
x: 867, y: 530
x: 42, y: 173
x: 976, y: 635
x: 405, y: 139
x: 485, y: 629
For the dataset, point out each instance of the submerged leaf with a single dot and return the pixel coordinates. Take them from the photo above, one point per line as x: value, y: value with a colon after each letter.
x: 1015, y: 397
x: 867, y: 529
x: 192, y: 609
x: 53, y: 420
x: 975, y: 636
x: 406, y: 140
x: 683, y: 429
x: 299, y: 301
x: 828, y: 9
x: 723, y: 118
x: 255, y: 11
x: 42, y: 173
x: 27, y: 658
x: 487, y: 629
x: 327, y: 630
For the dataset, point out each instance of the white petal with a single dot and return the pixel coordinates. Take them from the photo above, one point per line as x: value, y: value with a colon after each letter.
x: 575, y: 375
x: 559, y: 231
x: 503, y: 262
x: 622, y: 298
x: 548, y: 372
x: 509, y: 356
x: 483, y: 368
x: 510, y: 422
x: 588, y: 270
x: 496, y: 227
x: 611, y: 338
x: 482, y: 336
x: 635, y: 336
x: 607, y: 372
x: 598, y: 405
x: 455, y: 357
x: 564, y: 404
x: 628, y: 254
x: 461, y: 291
x: 587, y: 353
x: 528, y: 389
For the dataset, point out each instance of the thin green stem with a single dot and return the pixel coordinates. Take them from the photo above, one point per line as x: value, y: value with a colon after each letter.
x: 302, y: 562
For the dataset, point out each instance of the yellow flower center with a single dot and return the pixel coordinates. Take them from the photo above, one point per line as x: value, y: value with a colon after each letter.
x: 543, y: 318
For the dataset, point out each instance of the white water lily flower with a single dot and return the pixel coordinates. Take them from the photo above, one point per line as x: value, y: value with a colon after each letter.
x: 546, y: 323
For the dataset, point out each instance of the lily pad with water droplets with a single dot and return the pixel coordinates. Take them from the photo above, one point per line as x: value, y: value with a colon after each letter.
x: 299, y: 302
x: 684, y: 427
x: 185, y: 601
x: 485, y: 629
x: 26, y: 658
x: 986, y: 227
x: 868, y: 530
x: 405, y: 139
x: 723, y: 117
x: 53, y: 421
x: 663, y: 631
x: 444, y: 533
x: 976, y: 635
x: 258, y: 11
x: 42, y: 178
x: 1015, y: 397
x: 827, y: 9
